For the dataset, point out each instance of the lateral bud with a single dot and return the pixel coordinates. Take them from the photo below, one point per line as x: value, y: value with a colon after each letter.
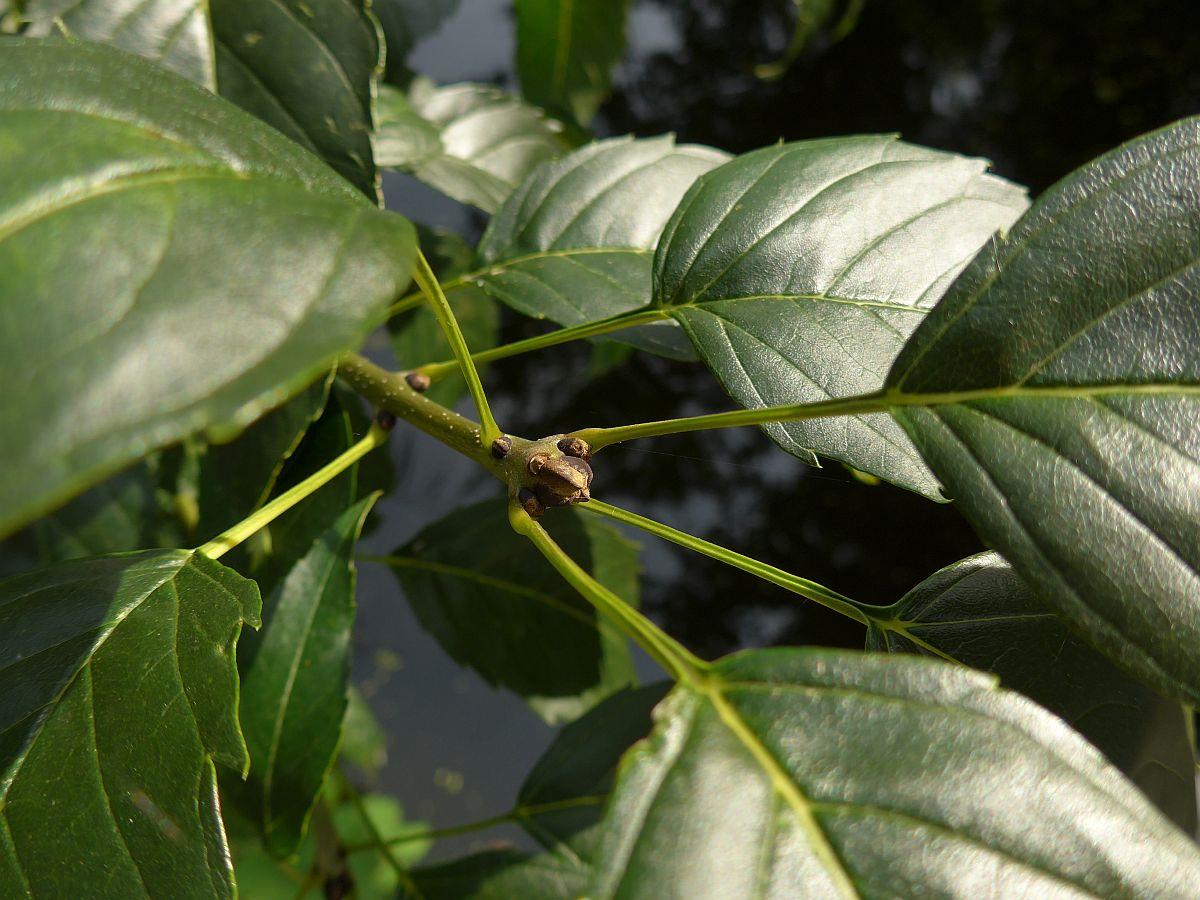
x: 418, y: 382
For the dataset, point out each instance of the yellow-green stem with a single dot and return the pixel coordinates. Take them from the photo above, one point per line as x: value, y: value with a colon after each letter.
x: 675, y: 659
x: 550, y: 339
x: 423, y: 275
x: 862, y: 404
x: 223, y: 543
x: 810, y: 590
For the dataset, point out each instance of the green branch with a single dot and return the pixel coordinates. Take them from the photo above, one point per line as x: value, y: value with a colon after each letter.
x: 675, y: 659
x: 377, y: 841
x: 620, y: 322
x: 860, y: 612
x: 521, y: 813
x: 863, y: 404
x: 428, y: 282
x: 223, y: 543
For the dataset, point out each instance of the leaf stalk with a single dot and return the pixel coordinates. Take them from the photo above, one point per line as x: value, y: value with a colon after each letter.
x: 227, y: 540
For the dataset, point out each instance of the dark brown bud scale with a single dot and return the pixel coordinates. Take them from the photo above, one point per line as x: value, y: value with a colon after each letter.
x: 577, y: 447
x: 560, y: 482
x: 385, y: 419
x: 530, y: 503
x: 418, y: 382
x: 501, y: 446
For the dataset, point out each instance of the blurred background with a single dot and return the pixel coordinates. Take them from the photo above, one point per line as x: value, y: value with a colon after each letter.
x: 1036, y: 87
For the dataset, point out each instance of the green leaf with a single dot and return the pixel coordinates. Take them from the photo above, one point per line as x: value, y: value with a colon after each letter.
x: 236, y: 478
x: 494, y: 604
x: 815, y: 773
x: 575, y: 242
x: 227, y: 267
x: 562, y: 799
x: 473, y: 142
x: 307, y: 67
x: 116, y: 516
x: 117, y: 693
x: 799, y: 270
x: 294, y: 691
x: 502, y: 875
x: 172, y: 33
x: 1055, y: 391
x: 979, y: 612
x: 566, y: 50
x: 404, y: 23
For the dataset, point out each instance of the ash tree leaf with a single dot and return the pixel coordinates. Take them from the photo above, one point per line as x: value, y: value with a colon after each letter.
x: 566, y: 51
x: 309, y: 68
x: 829, y: 773
x: 494, y: 604
x: 979, y: 612
x: 116, y: 516
x: 295, y: 687
x: 798, y: 271
x: 172, y: 33
x: 118, y: 692
x: 575, y: 242
x: 1055, y: 391
x: 227, y: 267
x: 473, y: 142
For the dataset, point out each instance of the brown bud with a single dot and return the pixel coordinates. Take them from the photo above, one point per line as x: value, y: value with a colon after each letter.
x: 501, y: 446
x: 530, y: 503
x: 385, y: 419
x: 577, y: 447
x: 418, y: 382
x: 560, y: 482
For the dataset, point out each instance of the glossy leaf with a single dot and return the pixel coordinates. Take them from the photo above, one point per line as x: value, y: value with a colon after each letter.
x: 116, y: 516
x: 307, y: 67
x: 172, y: 33
x: 118, y: 692
x: 494, y: 604
x: 575, y: 243
x: 799, y: 270
x: 977, y: 611
x: 1056, y: 393
x: 294, y: 692
x: 821, y: 773
x: 229, y: 267
x: 566, y: 51
x: 473, y: 142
